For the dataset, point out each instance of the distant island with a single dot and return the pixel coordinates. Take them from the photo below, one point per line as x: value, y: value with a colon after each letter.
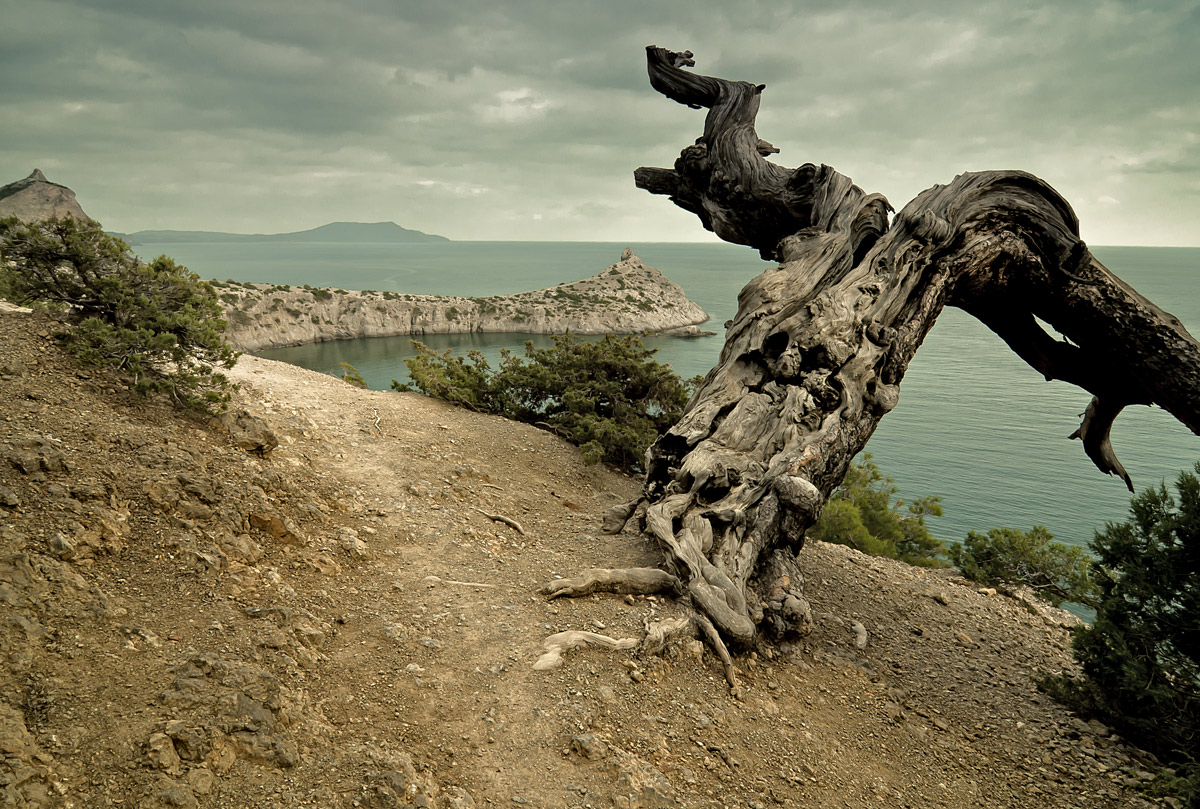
x: 378, y: 232
x: 626, y: 298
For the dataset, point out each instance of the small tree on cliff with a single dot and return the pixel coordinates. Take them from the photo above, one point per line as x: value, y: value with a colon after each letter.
x: 1055, y: 571
x: 156, y: 322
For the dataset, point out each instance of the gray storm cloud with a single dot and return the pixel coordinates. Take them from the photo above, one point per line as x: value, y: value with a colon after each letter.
x: 525, y: 120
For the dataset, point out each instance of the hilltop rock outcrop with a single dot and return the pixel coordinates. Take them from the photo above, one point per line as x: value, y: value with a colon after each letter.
x: 626, y: 298
x: 35, y: 198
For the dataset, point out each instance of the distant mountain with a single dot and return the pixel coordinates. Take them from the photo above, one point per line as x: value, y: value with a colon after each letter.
x: 333, y: 232
x: 35, y: 198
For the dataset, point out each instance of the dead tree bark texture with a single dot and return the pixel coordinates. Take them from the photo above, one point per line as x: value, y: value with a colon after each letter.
x: 815, y: 355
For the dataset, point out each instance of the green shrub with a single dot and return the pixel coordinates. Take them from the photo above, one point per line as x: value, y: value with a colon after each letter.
x: 157, y: 322
x: 609, y: 397
x: 1055, y: 571
x: 351, y: 376
x: 1141, y: 656
x: 864, y: 513
x: 465, y: 381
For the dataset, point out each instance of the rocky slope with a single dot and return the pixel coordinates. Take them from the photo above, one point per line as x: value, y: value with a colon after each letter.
x: 626, y: 298
x: 194, y: 617
x: 35, y: 198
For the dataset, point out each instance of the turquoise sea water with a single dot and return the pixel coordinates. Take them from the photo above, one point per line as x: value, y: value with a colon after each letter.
x: 975, y: 425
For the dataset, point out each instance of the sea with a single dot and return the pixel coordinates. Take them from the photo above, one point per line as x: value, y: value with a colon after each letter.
x: 975, y: 425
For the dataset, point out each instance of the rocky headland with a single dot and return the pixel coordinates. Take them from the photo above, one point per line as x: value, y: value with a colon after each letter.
x: 626, y: 298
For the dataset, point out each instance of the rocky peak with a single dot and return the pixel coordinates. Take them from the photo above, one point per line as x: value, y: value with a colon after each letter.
x: 35, y: 198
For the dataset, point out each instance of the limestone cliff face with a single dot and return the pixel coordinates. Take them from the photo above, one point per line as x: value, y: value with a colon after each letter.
x: 35, y: 198
x: 626, y: 298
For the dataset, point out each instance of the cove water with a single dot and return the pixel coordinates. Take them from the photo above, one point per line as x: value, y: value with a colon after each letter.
x: 974, y: 425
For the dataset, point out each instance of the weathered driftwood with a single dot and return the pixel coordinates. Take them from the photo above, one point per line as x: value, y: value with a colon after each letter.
x: 814, y: 357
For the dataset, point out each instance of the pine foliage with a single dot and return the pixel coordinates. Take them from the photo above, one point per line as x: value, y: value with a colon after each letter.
x: 1141, y: 656
x: 155, y: 322
x: 351, y: 375
x: 1055, y: 571
x: 609, y: 397
x: 865, y: 513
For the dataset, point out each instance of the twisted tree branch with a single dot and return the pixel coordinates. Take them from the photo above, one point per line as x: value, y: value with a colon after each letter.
x: 815, y: 355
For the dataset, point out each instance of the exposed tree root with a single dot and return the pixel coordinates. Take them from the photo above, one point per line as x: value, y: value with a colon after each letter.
x: 714, y: 640
x: 559, y: 644
x: 617, y: 516
x: 511, y: 523
x: 660, y: 634
x: 630, y: 581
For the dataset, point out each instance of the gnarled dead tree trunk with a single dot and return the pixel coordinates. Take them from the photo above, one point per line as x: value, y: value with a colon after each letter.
x: 814, y: 357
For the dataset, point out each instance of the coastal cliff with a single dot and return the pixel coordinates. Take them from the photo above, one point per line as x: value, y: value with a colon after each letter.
x: 626, y: 298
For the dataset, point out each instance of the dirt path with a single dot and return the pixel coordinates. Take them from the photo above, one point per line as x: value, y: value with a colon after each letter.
x: 340, y: 623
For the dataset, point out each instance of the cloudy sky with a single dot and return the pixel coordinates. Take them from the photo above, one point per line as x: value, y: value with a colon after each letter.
x: 525, y: 120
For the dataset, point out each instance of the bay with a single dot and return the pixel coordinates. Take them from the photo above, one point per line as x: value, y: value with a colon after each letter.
x: 974, y: 425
